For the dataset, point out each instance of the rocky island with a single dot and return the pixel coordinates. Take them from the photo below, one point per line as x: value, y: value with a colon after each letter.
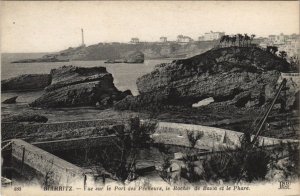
x: 78, y: 86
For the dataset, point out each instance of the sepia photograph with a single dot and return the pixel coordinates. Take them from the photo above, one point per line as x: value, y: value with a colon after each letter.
x: 150, y: 97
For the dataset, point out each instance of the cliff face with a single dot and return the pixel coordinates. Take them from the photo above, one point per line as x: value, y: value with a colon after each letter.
x: 78, y: 86
x: 239, y: 76
x: 26, y: 82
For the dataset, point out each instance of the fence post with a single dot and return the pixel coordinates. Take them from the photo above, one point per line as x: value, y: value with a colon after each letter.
x: 84, y: 182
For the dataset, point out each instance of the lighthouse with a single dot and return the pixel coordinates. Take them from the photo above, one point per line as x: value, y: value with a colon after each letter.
x: 82, y: 38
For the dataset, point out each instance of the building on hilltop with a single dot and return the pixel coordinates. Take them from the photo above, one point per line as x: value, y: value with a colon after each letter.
x: 184, y: 39
x: 135, y: 40
x: 291, y: 47
x: 201, y: 38
x: 288, y: 43
x: 210, y: 36
x: 163, y: 39
x: 278, y: 39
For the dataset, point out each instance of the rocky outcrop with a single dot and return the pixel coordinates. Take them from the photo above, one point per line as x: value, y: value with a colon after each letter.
x: 78, y: 86
x: 239, y: 76
x: 26, y: 82
x: 134, y: 57
x: 25, y: 117
x: 11, y: 100
x: 129, y: 57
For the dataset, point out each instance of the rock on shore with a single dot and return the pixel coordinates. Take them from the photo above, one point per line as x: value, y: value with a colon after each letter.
x: 79, y: 86
x: 129, y: 57
x: 11, y: 100
x: 239, y: 76
x: 134, y: 57
x: 26, y: 82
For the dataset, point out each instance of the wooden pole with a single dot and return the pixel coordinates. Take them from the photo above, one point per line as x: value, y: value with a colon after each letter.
x: 84, y: 182
x: 23, y: 157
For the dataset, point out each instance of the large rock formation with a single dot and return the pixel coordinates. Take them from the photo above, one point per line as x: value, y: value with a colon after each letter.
x: 129, y: 57
x: 26, y: 82
x: 11, y: 100
x: 239, y: 76
x: 134, y: 57
x: 78, y: 86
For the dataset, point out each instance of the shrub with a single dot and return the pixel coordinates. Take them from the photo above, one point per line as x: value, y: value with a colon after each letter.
x: 189, y: 171
x: 293, y: 169
x: 240, y: 164
x: 193, y: 137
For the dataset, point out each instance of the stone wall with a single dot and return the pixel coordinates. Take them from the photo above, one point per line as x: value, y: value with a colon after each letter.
x: 176, y: 134
x: 61, y: 171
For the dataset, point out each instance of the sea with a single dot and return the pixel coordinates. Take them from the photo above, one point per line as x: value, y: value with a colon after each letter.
x: 125, y: 76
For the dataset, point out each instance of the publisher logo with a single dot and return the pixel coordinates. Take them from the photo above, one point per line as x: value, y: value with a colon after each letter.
x: 284, y: 184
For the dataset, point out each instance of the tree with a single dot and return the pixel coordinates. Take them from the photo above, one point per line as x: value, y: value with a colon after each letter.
x: 222, y: 39
x: 193, y: 137
x: 228, y: 39
x: 246, y: 38
x: 252, y: 37
x: 233, y: 40
x: 119, y: 160
x: 282, y: 54
x: 272, y: 49
x: 241, y: 38
x: 294, y: 61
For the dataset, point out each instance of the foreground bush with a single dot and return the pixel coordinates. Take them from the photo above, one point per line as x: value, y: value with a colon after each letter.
x: 241, y: 164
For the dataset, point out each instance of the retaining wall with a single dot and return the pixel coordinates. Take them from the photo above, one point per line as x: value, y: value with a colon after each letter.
x: 176, y: 134
x: 62, y: 172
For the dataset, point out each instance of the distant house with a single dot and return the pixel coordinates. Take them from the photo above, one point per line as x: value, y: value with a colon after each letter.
x: 288, y: 43
x: 134, y: 40
x: 163, y: 39
x: 271, y: 38
x: 210, y: 36
x: 277, y: 39
x: 201, y: 38
x: 183, y: 39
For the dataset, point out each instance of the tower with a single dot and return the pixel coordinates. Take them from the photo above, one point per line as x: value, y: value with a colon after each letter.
x: 82, y: 38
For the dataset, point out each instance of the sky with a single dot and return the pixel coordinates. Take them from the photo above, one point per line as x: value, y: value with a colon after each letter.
x: 53, y: 26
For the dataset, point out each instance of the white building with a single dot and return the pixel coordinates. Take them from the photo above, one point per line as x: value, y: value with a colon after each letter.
x: 277, y: 39
x: 183, y: 39
x: 212, y: 36
x: 134, y: 40
x: 288, y: 43
x: 291, y: 46
x: 201, y: 38
x: 163, y: 39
